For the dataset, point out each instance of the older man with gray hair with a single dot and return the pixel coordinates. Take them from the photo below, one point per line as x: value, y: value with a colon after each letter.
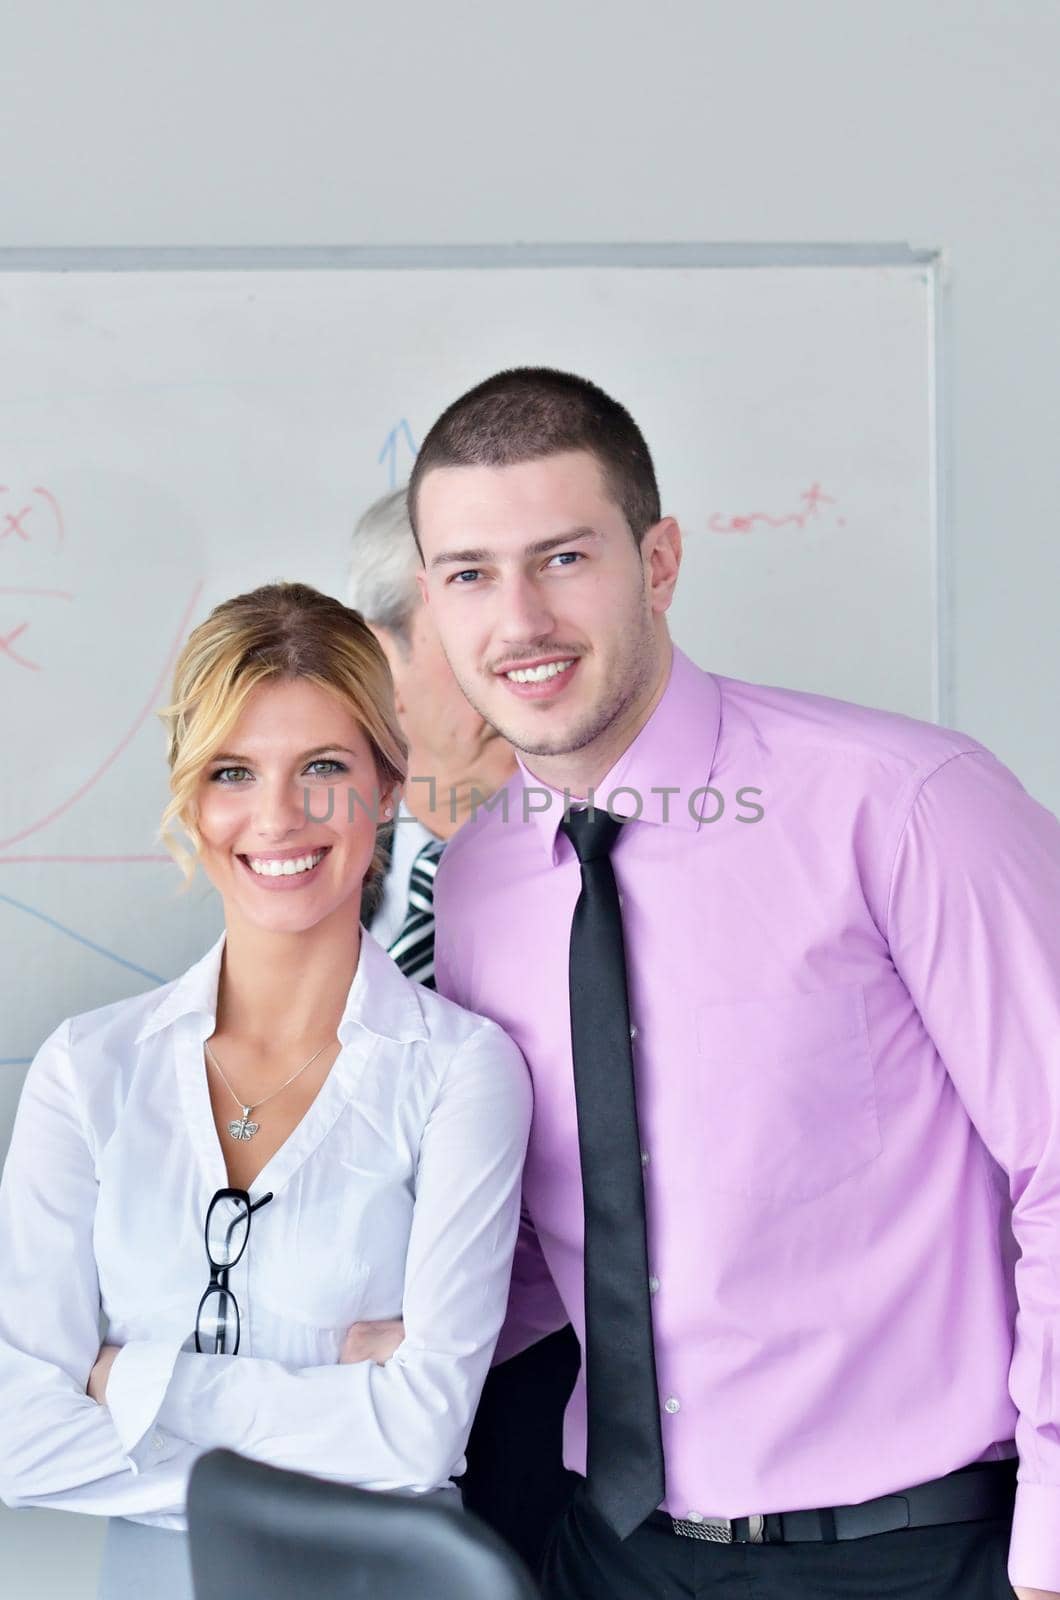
x: 515, y: 1478
x: 454, y: 755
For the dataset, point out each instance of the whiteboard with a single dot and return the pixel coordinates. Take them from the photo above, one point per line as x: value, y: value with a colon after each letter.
x: 172, y: 435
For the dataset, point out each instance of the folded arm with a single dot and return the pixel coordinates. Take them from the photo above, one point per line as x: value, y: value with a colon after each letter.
x: 57, y: 1446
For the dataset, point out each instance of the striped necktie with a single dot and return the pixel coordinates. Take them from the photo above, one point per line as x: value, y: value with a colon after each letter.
x: 413, y: 948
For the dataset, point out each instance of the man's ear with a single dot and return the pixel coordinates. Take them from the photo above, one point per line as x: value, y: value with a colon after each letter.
x: 661, y: 551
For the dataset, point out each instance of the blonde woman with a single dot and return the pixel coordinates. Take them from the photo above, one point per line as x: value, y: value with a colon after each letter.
x: 289, y: 1140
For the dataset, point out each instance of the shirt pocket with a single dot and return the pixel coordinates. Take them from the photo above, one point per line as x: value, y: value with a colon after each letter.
x: 787, y: 1086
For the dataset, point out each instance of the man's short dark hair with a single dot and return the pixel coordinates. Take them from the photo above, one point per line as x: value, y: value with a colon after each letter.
x: 529, y: 413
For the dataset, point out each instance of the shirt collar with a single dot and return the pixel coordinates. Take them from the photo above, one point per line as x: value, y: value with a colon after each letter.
x: 381, y: 1001
x: 674, y: 750
x: 413, y: 833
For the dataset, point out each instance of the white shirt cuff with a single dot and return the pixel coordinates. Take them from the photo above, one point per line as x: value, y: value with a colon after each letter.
x: 136, y: 1387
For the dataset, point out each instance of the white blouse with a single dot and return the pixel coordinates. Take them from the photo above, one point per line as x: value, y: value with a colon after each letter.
x: 396, y: 1195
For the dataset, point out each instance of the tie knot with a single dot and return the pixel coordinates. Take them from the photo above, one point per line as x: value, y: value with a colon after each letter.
x: 591, y: 832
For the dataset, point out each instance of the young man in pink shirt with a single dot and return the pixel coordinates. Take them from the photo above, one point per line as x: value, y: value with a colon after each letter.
x: 786, y: 972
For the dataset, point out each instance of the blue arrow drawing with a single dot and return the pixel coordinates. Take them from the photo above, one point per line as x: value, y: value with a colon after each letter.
x: 31, y: 911
x: 389, y: 452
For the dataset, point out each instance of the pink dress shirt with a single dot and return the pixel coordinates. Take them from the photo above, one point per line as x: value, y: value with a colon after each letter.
x: 844, y: 978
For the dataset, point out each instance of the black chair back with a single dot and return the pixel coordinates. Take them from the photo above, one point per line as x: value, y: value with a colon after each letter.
x: 261, y: 1531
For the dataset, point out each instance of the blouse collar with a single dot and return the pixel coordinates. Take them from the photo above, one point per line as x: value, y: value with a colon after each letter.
x: 381, y: 1000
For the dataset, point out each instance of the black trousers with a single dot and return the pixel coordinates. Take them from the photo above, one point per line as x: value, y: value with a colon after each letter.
x: 956, y: 1561
x: 515, y: 1477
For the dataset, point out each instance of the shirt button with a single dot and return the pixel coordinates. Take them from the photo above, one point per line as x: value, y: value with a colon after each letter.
x: 633, y: 1031
x: 158, y: 1441
x: 694, y: 1516
x: 672, y: 1405
x: 644, y: 1158
x: 653, y: 1286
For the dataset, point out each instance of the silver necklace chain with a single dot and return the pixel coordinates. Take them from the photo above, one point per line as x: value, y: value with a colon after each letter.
x: 241, y: 1127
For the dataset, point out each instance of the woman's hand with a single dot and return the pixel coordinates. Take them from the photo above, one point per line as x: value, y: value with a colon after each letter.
x: 97, y: 1378
x: 372, y: 1341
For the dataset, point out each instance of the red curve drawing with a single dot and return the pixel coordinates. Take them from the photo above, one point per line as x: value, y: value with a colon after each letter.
x: 71, y: 800
x: 47, y: 495
x: 47, y: 594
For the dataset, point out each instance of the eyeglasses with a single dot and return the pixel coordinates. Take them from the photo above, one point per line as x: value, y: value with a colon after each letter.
x: 227, y: 1231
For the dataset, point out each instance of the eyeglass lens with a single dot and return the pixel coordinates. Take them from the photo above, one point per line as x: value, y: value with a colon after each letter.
x: 217, y: 1329
x: 227, y: 1228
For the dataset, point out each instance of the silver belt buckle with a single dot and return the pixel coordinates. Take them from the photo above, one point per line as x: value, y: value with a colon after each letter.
x: 717, y: 1530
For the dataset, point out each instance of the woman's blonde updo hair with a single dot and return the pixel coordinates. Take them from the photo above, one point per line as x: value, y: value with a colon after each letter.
x: 279, y: 632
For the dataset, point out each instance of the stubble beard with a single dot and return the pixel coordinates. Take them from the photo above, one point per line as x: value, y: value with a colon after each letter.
x: 632, y: 674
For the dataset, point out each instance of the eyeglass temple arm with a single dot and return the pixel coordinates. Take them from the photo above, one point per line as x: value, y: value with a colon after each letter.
x: 234, y: 1224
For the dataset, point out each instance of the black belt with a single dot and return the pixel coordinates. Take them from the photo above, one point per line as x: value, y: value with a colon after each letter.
x: 972, y: 1494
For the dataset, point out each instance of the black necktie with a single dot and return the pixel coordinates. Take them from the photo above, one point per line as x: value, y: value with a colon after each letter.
x: 624, y: 1472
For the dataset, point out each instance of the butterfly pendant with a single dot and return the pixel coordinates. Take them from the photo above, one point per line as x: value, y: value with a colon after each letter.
x: 242, y: 1128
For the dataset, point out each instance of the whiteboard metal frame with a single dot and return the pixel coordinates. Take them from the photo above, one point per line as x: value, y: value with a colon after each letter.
x: 345, y: 258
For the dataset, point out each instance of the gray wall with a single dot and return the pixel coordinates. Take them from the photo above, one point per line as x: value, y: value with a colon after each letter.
x: 321, y: 121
